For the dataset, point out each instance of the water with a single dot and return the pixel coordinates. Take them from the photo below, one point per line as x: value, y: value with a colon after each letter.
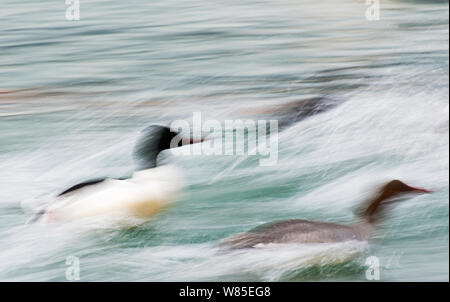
x: 75, y: 95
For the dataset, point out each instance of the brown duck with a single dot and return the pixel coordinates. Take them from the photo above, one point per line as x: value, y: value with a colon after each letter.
x: 304, y: 231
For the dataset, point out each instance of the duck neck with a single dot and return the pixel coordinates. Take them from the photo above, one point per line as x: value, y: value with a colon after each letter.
x: 370, y: 214
x: 147, y: 162
x: 153, y: 140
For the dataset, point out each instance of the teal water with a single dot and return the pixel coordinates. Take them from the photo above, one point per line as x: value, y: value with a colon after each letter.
x: 74, y: 95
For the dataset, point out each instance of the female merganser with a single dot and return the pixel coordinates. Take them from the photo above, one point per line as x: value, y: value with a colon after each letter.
x: 295, y: 111
x: 304, y: 231
x: 126, y: 200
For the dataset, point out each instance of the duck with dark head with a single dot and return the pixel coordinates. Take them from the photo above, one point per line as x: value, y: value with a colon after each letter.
x: 305, y: 231
x: 155, y: 139
x: 128, y: 200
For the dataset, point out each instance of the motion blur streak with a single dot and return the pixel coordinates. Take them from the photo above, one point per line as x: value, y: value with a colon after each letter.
x: 75, y: 94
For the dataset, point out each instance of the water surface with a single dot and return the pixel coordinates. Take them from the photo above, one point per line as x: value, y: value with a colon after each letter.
x: 74, y: 95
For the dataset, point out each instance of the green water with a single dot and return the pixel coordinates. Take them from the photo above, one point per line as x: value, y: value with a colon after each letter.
x: 92, y: 85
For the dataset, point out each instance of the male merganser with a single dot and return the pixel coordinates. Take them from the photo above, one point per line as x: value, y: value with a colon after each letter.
x: 304, y: 231
x: 127, y: 200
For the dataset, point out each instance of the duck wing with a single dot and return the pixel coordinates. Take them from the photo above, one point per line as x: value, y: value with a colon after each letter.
x: 82, y: 185
x: 73, y: 189
x: 85, y: 184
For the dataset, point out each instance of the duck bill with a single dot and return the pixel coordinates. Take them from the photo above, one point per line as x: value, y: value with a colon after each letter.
x: 184, y: 141
x: 195, y: 141
x: 420, y: 190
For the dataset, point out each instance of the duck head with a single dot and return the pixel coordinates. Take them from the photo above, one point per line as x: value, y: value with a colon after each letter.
x: 394, y: 188
x: 153, y: 140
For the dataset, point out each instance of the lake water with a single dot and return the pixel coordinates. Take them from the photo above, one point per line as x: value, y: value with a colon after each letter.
x: 75, y: 94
